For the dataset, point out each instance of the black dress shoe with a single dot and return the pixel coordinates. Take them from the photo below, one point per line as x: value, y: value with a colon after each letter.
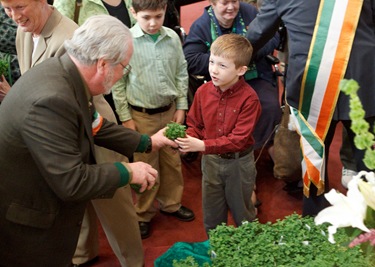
x: 293, y: 187
x: 144, y: 228
x: 87, y: 263
x: 183, y: 214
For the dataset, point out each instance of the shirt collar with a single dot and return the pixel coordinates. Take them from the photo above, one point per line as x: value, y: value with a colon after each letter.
x: 137, y: 32
x: 235, y: 87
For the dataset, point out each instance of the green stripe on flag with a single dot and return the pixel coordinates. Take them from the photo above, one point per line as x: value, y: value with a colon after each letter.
x: 316, y: 56
x: 309, y: 135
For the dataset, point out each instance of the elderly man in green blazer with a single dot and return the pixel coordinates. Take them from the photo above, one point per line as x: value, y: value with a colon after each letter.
x: 49, y: 127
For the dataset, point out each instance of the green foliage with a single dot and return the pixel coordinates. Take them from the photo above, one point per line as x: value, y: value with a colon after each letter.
x: 175, y: 130
x: 364, y: 139
x: 5, y: 68
x: 292, y: 242
x: 188, y: 262
x: 4, y: 65
x: 137, y: 188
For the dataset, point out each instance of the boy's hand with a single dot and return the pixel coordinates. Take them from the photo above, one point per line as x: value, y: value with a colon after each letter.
x: 190, y: 144
x: 179, y: 116
x: 129, y: 124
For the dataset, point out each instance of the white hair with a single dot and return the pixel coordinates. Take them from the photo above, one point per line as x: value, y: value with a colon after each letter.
x: 100, y: 37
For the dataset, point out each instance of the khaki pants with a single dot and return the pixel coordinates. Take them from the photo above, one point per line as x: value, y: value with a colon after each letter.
x: 117, y: 215
x: 169, y: 185
x: 119, y: 221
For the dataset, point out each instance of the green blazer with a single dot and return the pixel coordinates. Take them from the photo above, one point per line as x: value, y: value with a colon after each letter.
x: 89, y: 8
x: 48, y: 171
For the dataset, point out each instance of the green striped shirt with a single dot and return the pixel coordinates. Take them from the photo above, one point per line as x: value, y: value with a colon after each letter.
x: 158, y: 76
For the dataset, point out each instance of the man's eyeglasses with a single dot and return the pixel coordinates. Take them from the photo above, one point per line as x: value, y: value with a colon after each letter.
x: 127, y: 68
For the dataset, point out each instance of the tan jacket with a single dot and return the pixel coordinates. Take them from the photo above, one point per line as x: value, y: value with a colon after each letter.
x: 58, y: 28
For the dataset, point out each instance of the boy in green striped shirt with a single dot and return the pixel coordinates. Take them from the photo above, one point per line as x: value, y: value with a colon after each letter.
x: 155, y: 94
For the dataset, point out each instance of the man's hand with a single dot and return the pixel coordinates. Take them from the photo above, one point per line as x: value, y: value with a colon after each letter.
x: 159, y: 140
x: 143, y: 174
x: 4, y: 87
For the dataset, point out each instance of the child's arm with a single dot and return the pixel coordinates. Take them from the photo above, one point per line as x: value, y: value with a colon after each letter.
x: 179, y: 116
x: 121, y: 101
x: 181, y: 82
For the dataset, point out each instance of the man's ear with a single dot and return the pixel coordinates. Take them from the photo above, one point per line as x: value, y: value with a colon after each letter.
x: 241, y: 70
x: 101, y: 65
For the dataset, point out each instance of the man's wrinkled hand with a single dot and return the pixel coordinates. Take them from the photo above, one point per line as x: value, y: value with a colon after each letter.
x: 143, y: 174
x: 159, y: 140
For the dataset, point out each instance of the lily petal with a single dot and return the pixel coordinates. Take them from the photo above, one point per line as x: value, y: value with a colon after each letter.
x: 345, y: 211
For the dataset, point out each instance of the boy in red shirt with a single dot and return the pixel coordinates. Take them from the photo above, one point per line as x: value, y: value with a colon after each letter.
x: 220, y: 123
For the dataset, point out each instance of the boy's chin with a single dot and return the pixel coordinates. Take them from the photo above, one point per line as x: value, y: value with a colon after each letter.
x: 152, y: 32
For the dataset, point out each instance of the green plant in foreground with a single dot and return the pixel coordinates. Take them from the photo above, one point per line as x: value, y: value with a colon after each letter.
x: 175, y: 130
x: 292, y: 242
x: 188, y: 262
x: 5, y: 68
x: 363, y: 139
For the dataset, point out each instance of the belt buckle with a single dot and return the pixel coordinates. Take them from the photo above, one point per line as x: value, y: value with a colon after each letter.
x: 226, y: 156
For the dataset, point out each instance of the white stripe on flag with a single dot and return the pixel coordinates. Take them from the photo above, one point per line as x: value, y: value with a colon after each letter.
x: 328, y: 58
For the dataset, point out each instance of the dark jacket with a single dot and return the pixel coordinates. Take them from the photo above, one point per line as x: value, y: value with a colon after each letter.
x: 48, y: 171
x: 299, y: 17
x: 198, y: 42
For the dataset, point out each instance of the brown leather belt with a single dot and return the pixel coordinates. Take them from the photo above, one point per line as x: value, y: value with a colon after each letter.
x: 151, y: 111
x: 236, y: 155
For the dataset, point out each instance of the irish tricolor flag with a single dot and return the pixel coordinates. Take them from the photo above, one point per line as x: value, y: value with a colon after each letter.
x: 326, y: 65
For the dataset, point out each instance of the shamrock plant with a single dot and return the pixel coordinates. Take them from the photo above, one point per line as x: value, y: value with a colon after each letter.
x: 293, y: 241
x: 175, y: 130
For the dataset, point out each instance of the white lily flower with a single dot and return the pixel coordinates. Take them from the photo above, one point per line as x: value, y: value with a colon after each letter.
x: 345, y: 211
x: 368, y: 188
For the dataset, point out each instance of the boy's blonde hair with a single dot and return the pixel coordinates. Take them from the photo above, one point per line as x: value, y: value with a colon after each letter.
x: 233, y: 46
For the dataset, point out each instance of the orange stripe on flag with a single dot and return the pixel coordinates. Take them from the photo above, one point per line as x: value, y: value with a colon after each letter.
x: 97, y: 128
x: 314, y: 175
x: 339, y: 67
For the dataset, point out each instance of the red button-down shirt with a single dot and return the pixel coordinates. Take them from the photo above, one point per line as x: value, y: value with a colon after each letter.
x: 226, y: 120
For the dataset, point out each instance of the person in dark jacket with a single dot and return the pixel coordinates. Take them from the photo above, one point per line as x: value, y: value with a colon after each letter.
x: 49, y: 127
x: 223, y: 17
x: 299, y: 18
